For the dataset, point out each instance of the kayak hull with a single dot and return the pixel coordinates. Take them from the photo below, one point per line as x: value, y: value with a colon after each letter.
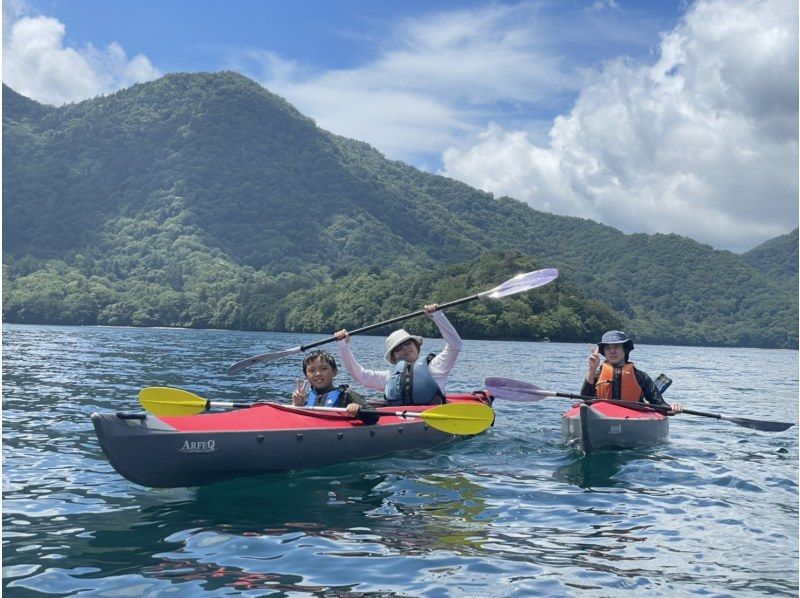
x: 607, y: 425
x: 195, y: 450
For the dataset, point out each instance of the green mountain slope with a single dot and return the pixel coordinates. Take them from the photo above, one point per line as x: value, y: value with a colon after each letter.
x: 205, y: 200
x: 777, y: 258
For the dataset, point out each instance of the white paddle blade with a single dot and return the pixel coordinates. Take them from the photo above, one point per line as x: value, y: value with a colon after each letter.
x: 521, y: 283
x: 515, y: 390
x: 251, y: 361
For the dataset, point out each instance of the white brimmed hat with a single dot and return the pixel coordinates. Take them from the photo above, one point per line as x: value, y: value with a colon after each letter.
x: 398, y: 337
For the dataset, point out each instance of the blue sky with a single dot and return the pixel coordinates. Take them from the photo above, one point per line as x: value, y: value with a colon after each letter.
x: 330, y: 34
x: 674, y: 117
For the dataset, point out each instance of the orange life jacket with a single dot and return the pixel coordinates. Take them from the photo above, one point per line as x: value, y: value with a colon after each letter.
x: 629, y: 387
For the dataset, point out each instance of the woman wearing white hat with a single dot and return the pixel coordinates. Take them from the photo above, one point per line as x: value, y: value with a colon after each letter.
x: 429, y: 376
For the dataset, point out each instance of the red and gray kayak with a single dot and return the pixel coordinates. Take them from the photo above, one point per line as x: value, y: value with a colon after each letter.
x: 193, y: 450
x: 604, y: 425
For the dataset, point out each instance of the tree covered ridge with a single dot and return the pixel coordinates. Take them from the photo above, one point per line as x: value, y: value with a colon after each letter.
x: 776, y: 258
x: 204, y: 200
x: 209, y: 292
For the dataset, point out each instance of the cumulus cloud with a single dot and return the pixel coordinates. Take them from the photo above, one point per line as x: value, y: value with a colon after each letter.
x: 702, y: 142
x: 37, y: 64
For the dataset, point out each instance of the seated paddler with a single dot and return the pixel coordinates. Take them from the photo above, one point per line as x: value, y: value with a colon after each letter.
x: 616, y: 378
x: 412, y: 379
x: 319, y: 369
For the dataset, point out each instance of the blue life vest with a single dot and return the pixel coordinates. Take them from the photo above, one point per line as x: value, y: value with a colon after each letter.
x: 413, y: 384
x: 331, y: 398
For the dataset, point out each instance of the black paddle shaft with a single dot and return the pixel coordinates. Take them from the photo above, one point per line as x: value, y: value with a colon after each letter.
x: 663, y: 408
x: 755, y: 424
x: 415, y: 314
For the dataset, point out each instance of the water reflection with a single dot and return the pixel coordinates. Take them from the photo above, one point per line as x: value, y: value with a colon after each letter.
x: 599, y: 469
x: 252, y: 533
x: 183, y: 534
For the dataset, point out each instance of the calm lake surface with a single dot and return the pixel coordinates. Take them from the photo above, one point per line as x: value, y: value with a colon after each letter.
x: 513, y: 512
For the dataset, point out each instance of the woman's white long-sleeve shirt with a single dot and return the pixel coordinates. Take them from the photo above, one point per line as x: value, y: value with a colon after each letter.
x: 439, y: 366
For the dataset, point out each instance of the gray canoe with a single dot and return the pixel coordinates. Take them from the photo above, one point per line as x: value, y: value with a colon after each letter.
x: 201, y: 449
x: 608, y: 425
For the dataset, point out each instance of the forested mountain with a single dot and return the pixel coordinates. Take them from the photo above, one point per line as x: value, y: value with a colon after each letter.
x: 776, y: 258
x: 204, y: 200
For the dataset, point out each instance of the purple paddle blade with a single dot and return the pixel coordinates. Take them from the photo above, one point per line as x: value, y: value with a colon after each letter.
x: 515, y: 390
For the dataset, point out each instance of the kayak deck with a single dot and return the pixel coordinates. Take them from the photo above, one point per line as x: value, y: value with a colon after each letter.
x: 193, y: 450
x: 609, y: 425
x: 272, y: 416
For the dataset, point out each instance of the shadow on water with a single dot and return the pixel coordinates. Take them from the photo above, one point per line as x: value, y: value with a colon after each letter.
x: 301, y: 500
x: 600, y: 469
x: 272, y: 504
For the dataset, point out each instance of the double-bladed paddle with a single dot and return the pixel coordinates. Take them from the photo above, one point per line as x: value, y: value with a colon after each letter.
x: 524, y: 392
x: 453, y: 418
x: 518, y: 284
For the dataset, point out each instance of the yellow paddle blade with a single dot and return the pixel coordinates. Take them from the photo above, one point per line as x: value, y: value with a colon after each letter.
x: 459, y: 418
x: 166, y: 402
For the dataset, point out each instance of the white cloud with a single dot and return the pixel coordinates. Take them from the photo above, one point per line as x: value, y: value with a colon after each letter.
x: 38, y: 65
x: 433, y: 81
x: 702, y: 143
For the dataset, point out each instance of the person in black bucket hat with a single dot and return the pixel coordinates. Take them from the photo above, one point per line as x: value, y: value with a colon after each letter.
x: 615, y: 337
x: 616, y: 378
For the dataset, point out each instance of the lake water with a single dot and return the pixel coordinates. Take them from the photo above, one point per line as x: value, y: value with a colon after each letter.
x: 513, y: 512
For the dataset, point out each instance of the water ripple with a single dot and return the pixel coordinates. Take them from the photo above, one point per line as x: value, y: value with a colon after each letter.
x: 510, y: 513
